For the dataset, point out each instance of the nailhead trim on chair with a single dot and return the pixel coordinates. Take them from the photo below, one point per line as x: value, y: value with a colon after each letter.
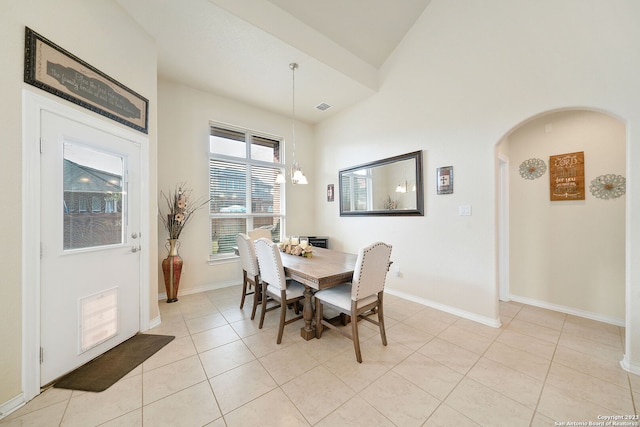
x: 364, y: 255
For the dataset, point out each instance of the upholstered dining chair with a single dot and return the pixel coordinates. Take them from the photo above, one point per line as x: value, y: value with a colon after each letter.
x: 276, y: 285
x: 250, y: 271
x: 362, y: 297
x: 258, y: 233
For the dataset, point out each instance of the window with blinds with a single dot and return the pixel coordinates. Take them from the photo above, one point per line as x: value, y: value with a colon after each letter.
x: 243, y: 166
x: 356, y: 191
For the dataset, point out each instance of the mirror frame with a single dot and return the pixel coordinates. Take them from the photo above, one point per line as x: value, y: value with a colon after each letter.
x: 419, y: 211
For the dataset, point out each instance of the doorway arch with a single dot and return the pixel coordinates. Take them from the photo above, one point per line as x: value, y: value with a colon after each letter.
x: 559, y: 255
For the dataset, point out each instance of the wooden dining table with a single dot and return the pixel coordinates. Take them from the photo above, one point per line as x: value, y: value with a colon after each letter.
x: 325, y: 269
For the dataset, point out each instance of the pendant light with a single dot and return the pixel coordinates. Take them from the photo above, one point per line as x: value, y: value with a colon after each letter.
x: 297, y: 176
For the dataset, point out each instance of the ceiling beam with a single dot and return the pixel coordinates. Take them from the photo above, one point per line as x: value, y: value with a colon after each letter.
x: 282, y: 25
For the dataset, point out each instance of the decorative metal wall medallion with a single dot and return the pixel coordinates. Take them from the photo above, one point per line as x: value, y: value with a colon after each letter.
x: 532, y: 168
x: 608, y: 186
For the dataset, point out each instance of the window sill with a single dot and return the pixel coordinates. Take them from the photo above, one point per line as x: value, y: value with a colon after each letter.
x: 223, y: 259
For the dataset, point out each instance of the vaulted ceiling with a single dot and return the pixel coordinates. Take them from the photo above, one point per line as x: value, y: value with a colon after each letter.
x: 241, y: 49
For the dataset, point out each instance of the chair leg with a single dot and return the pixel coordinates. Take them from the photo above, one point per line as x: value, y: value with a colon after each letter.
x: 354, y: 331
x: 257, y: 294
x: 244, y: 287
x: 296, y: 307
x: 283, y: 314
x: 319, y: 326
x: 383, y: 334
x: 264, y: 304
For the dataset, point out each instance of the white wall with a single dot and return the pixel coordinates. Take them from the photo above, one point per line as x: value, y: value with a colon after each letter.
x: 570, y: 254
x: 466, y: 74
x: 183, y: 143
x: 88, y: 30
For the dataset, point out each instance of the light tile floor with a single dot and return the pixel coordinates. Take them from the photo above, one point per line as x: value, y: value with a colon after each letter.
x: 539, y: 368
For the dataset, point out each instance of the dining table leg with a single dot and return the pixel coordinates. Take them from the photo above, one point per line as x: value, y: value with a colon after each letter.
x: 307, y: 331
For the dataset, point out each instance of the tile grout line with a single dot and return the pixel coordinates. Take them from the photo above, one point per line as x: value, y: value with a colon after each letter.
x: 546, y: 377
x: 471, y: 368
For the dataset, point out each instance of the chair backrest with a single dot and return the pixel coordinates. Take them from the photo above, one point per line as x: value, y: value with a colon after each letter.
x: 247, y: 255
x: 270, y: 262
x: 371, y: 270
x: 259, y: 233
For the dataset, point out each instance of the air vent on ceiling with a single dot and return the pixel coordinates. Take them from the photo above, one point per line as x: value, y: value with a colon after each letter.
x: 323, y: 106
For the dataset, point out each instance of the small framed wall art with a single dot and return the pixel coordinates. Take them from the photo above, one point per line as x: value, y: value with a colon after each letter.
x: 444, y: 180
x: 330, y: 193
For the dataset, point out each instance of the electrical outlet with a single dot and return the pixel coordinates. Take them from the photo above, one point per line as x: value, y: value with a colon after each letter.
x: 396, y: 271
x: 464, y: 210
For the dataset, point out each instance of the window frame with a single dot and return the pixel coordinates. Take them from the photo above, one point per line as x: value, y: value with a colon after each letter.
x: 249, y: 163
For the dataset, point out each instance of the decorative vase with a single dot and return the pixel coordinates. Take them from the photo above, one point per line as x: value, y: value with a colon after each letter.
x: 172, y: 268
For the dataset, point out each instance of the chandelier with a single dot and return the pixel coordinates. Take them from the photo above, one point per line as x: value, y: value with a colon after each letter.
x: 297, y: 176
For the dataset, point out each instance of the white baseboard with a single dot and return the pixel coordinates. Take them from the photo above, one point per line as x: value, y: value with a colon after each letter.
x: 155, y: 322
x: 191, y: 291
x: 494, y: 323
x: 568, y: 310
x: 629, y: 367
x: 12, y: 405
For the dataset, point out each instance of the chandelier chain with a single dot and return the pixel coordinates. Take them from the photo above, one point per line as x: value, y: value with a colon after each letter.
x: 293, y: 67
x: 297, y: 176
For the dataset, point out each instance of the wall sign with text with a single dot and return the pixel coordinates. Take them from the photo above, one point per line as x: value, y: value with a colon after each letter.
x: 566, y: 174
x: 53, y: 69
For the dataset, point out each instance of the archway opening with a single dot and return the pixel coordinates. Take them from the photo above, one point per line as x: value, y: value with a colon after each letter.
x: 565, y: 255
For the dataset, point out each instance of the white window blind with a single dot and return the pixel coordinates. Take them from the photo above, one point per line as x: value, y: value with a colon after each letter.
x: 356, y: 191
x: 243, y: 166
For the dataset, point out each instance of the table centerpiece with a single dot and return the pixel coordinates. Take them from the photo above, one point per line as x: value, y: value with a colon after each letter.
x: 294, y: 246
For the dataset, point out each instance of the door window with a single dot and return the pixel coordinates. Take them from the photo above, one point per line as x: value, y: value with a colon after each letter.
x: 93, y: 198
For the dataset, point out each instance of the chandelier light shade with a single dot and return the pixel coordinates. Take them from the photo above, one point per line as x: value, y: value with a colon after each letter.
x: 297, y: 176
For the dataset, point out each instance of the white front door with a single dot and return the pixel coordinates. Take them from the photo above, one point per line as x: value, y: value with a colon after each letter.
x: 90, y: 234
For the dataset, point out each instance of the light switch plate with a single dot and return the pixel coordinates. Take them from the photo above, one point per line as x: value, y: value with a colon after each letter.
x: 464, y: 210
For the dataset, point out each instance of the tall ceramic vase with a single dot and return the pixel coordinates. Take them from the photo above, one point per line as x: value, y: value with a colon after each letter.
x: 172, y: 268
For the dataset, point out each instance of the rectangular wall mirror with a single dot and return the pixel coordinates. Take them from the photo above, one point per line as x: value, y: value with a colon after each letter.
x: 391, y: 186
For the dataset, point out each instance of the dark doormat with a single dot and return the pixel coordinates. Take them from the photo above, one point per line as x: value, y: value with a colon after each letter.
x: 103, y: 371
